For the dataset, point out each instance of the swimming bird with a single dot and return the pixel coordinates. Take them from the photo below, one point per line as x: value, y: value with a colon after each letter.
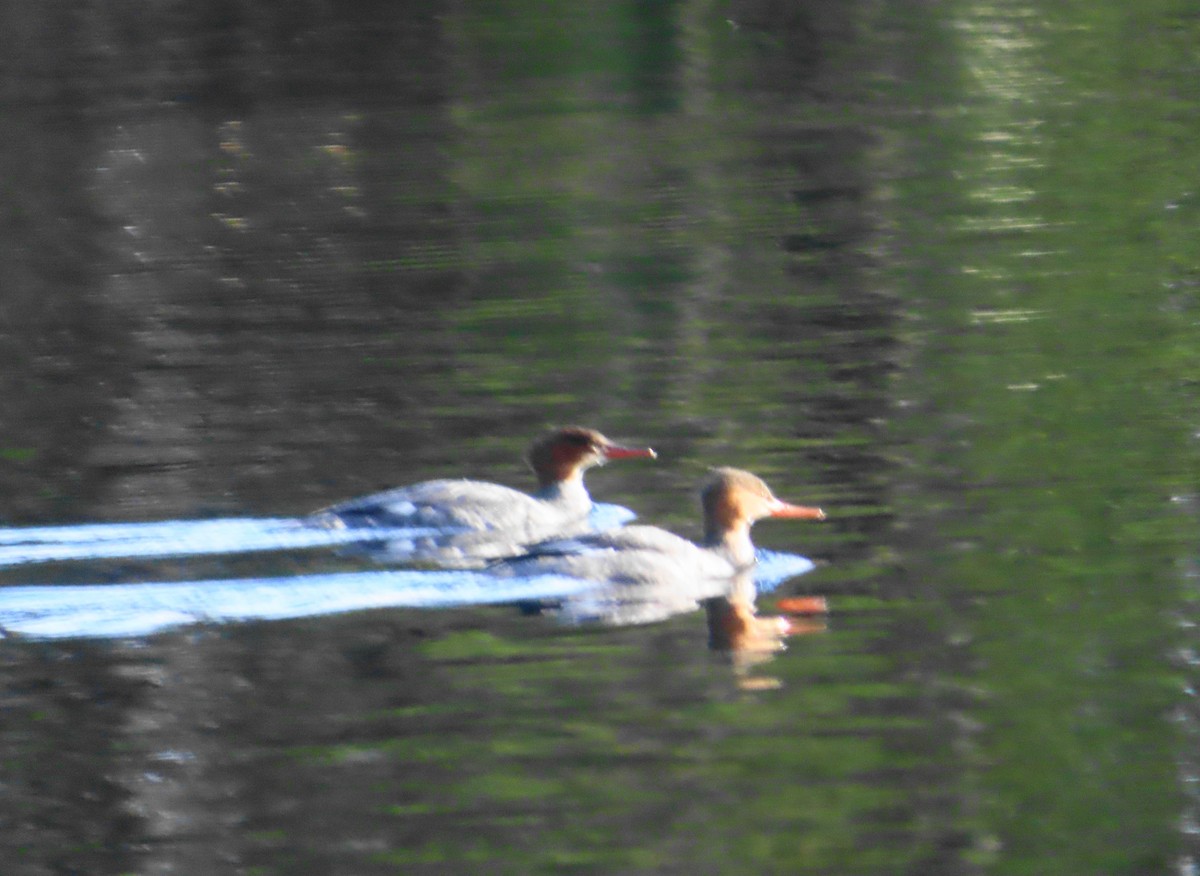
x: 464, y: 523
x: 644, y: 573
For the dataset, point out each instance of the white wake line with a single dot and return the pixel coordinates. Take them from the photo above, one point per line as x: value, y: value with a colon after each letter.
x: 179, y: 538
x: 119, y: 610
x: 287, y: 535
x: 603, y: 515
x: 97, y: 532
x: 123, y: 610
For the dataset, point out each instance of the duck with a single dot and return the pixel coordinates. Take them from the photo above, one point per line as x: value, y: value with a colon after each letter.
x: 645, y: 573
x: 461, y: 523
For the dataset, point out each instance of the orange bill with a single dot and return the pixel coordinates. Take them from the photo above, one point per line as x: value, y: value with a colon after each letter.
x: 616, y: 451
x: 798, y: 512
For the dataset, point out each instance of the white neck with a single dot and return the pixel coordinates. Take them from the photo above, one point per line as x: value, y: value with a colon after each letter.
x: 733, y: 544
x: 570, y: 494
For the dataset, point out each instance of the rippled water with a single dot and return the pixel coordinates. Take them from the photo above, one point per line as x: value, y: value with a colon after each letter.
x: 934, y: 269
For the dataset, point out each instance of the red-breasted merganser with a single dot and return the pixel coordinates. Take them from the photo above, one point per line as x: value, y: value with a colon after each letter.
x: 476, y: 521
x: 646, y: 573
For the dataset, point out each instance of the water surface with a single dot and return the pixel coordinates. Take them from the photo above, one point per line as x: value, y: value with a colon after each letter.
x: 933, y: 269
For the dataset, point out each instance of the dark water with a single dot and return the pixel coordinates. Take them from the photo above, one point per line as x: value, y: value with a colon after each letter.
x: 932, y: 267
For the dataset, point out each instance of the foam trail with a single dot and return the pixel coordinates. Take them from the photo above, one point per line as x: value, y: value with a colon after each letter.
x: 97, y: 532
x: 292, y: 535
x: 183, y: 538
x: 122, y: 610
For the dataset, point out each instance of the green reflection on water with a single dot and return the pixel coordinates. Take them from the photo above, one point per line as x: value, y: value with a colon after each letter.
x: 701, y: 782
x: 528, y: 749
x: 1061, y: 328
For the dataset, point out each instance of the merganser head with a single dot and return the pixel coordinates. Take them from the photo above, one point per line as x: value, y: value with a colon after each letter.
x: 565, y: 454
x: 733, y: 499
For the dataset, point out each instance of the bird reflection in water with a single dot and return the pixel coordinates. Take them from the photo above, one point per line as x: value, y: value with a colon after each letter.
x: 748, y: 640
